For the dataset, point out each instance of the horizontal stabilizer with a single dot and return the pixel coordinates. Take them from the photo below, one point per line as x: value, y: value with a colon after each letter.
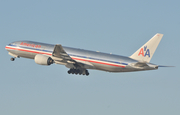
x: 165, y: 66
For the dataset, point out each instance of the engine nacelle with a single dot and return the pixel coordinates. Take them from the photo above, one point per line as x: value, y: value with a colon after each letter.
x: 43, y: 60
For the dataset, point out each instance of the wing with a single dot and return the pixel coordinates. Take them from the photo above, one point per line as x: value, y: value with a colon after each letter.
x: 60, y: 56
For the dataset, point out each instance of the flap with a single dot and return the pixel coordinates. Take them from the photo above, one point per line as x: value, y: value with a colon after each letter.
x: 60, y: 53
x: 61, y: 56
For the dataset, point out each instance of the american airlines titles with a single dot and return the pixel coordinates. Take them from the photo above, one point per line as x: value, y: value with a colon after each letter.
x: 30, y: 45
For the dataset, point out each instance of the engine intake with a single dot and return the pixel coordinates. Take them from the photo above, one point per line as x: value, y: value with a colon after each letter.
x: 43, y: 59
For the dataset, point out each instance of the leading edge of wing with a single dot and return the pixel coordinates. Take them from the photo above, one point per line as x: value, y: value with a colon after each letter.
x: 61, y: 57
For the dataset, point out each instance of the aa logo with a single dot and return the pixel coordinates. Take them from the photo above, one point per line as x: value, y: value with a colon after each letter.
x: 144, y: 52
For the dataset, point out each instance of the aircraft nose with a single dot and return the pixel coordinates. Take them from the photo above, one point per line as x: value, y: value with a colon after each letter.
x: 7, y: 46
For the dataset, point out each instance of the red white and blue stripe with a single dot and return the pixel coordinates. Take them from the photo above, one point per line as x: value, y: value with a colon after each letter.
x: 75, y: 57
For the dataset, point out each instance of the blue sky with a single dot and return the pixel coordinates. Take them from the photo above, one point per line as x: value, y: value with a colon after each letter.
x: 118, y: 27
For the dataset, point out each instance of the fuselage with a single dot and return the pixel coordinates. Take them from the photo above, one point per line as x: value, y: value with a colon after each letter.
x: 96, y: 60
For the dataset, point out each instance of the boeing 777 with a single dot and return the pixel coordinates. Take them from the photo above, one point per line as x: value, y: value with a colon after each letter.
x: 79, y: 60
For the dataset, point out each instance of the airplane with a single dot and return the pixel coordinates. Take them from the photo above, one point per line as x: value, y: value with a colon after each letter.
x: 80, y: 60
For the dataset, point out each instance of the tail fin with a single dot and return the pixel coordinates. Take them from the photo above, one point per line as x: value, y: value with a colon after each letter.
x: 146, y: 52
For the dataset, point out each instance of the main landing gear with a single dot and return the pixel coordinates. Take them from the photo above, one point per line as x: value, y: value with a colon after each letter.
x: 78, y: 71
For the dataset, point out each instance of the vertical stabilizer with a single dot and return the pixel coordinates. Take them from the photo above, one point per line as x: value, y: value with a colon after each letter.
x: 145, y: 53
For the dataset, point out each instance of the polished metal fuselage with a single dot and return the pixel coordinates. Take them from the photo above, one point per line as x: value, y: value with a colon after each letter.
x: 96, y: 60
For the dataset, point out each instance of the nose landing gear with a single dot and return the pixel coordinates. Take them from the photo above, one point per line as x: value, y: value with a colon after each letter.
x: 12, y: 59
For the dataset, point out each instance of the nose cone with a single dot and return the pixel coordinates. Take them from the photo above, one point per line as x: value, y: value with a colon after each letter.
x: 9, y: 46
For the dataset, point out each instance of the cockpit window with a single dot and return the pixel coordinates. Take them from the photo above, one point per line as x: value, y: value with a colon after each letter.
x: 12, y: 44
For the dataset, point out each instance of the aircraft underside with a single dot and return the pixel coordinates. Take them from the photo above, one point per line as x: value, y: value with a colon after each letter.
x: 79, y: 61
x: 76, y: 69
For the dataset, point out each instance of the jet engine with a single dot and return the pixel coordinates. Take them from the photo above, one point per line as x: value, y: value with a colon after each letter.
x: 43, y: 59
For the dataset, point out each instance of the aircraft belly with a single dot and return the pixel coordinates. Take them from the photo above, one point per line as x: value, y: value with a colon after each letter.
x: 79, y: 60
x: 117, y: 69
x: 23, y: 54
x: 108, y: 68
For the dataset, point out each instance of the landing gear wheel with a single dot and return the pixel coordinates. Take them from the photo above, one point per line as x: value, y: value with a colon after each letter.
x: 12, y: 59
x: 78, y: 71
x: 72, y: 71
x: 87, y: 73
